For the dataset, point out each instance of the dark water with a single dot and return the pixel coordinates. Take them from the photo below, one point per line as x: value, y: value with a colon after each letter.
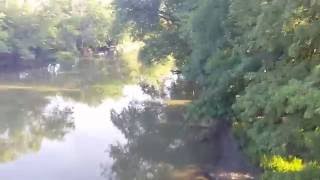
x: 95, y: 123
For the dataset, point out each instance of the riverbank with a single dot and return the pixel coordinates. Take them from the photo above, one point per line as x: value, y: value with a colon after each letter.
x: 36, y: 88
x: 232, y: 163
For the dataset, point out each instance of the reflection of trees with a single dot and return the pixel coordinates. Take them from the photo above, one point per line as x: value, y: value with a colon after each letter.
x: 96, y: 81
x: 23, y: 125
x: 57, y: 123
x: 157, y: 141
x: 182, y: 89
x: 178, y: 89
x: 95, y: 94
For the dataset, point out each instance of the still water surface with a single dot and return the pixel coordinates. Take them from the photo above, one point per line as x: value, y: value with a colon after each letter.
x: 87, y: 124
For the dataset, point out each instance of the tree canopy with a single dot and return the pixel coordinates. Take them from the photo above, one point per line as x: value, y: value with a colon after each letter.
x: 256, y: 62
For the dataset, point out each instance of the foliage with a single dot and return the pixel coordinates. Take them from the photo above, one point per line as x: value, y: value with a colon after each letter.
x: 280, y: 164
x: 40, y: 31
x: 158, y: 24
x: 257, y: 63
x: 311, y: 171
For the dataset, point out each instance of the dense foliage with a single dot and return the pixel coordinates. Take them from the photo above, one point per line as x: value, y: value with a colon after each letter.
x: 257, y: 62
x: 51, y: 30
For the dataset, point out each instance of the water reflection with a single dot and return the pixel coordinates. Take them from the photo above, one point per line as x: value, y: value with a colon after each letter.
x: 158, y: 144
x: 23, y: 125
x: 72, y: 137
x: 60, y: 127
x: 172, y: 86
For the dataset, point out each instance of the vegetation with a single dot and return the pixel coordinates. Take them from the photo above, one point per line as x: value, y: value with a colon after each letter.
x: 256, y: 61
x: 51, y: 30
x: 257, y: 64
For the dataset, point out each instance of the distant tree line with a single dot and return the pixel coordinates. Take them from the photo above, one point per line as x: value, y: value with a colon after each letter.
x: 44, y: 31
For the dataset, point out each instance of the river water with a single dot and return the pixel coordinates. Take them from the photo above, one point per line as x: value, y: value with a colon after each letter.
x: 95, y: 123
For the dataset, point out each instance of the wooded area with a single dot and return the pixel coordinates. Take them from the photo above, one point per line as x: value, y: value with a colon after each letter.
x: 256, y: 61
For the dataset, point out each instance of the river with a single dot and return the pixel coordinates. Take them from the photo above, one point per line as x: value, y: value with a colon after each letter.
x: 94, y: 123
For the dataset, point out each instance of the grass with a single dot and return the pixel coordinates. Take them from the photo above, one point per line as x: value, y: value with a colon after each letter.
x: 37, y: 88
x: 177, y: 102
